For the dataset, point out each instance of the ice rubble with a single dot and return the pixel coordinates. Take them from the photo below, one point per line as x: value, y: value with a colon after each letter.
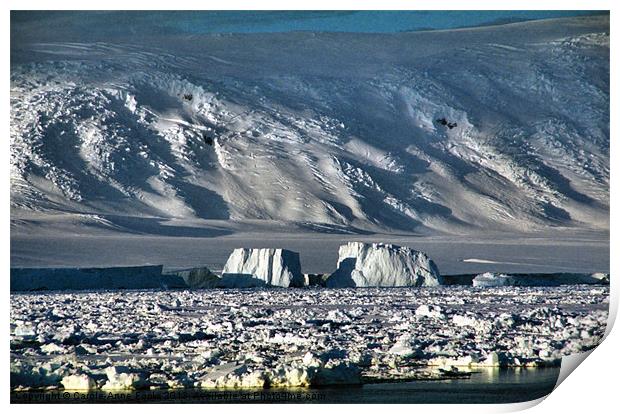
x: 123, y: 380
x: 262, y: 267
x: 302, y: 373
x: 284, y: 338
x: 499, y: 279
x: 383, y: 265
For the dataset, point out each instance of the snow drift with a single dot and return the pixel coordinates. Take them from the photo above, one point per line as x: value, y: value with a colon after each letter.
x: 262, y: 267
x: 383, y: 265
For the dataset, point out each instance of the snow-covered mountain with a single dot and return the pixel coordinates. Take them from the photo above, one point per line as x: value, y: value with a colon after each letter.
x: 492, y: 128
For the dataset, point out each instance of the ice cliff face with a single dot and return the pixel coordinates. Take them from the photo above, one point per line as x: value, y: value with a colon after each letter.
x: 383, y: 265
x: 494, y: 128
x: 262, y: 267
x: 135, y: 277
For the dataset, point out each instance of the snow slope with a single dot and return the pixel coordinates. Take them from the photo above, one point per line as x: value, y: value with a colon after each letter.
x: 329, y: 131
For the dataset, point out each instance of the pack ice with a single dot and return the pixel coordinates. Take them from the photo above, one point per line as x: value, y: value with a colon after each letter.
x: 383, y: 265
x: 260, y: 267
x: 276, y: 338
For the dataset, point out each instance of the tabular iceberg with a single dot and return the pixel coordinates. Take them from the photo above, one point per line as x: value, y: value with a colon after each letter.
x: 129, y: 277
x: 557, y: 279
x: 262, y: 267
x: 383, y: 265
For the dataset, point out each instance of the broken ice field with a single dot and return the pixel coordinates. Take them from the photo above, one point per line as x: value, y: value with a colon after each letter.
x: 295, y: 337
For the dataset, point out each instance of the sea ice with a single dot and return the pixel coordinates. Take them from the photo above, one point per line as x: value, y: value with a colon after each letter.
x: 225, y: 338
x: 52, y: 348
x: 429, y: 311
x: 78, y: 382
x: 122, y: 380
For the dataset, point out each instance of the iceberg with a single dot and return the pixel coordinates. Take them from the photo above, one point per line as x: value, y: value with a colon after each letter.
x: 554, y: 279
x: 133, y: 277
x: 197, y: 278
x: 262, y: 267
x: 383, y: 265
x: 493, y: 279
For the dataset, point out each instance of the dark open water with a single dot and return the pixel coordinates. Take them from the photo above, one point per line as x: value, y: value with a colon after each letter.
x: 492, y: 386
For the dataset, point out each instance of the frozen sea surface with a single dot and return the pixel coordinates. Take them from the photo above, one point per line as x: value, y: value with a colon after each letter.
x: 286, y: 338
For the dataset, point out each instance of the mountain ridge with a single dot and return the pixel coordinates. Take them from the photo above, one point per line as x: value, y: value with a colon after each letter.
x: 325, y: 134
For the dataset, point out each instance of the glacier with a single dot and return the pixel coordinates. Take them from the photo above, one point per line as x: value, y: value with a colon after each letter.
x: 319, y: 131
